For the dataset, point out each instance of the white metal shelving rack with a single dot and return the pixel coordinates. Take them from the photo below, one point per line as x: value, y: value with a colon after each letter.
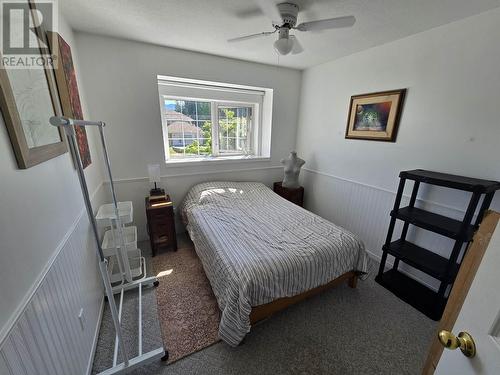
x: 121, y: 270
x: 121, y: 245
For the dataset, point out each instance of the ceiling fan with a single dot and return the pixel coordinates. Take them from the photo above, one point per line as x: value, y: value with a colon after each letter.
x: 284, y: 19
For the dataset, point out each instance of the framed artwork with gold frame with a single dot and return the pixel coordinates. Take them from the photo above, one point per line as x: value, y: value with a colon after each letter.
x: 375, y: 116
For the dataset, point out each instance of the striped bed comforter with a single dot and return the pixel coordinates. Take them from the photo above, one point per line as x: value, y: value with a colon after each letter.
x: 256, y: 247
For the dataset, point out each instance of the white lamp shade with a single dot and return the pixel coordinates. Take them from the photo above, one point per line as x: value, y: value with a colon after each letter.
x: 283, y: 46
x: 154, y: 172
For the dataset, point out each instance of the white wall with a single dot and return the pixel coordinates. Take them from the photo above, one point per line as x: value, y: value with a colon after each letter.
x: 121, y: 84
x: 40, y: 208
x: 449, y: 123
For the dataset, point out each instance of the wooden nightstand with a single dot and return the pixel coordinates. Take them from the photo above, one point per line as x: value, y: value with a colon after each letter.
x: 293, y: 195
x: 161, y: 224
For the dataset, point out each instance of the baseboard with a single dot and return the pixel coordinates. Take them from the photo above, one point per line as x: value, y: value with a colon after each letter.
x: 389, y: 264
x: 96, y: 337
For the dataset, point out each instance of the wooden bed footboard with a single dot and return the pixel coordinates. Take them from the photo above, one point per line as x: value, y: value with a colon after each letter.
x: 261, y: 312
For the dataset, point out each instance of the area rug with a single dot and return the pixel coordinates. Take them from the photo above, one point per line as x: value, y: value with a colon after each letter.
x: 187, y: 309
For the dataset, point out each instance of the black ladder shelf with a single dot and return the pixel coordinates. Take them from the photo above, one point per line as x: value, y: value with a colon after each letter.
x: 422, y: 298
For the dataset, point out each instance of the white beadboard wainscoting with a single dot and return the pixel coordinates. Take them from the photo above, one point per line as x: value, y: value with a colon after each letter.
x: 364, y: 210
x: 177, y: 186
x: 46, y: 336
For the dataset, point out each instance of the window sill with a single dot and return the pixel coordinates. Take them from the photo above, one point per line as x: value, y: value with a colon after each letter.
x: 216, y: 160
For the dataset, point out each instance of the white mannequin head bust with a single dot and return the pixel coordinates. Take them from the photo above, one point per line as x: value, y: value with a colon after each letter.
x: 292, y: 166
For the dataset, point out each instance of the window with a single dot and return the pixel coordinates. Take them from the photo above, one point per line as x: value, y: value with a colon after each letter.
x: 235, y: 125
x: 188, y: 127
x: 207, y: 120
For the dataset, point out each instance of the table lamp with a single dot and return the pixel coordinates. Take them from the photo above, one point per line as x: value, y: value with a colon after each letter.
x: 154, y: 177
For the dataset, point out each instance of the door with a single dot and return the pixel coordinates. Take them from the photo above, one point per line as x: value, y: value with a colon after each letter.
x: 480, y: 317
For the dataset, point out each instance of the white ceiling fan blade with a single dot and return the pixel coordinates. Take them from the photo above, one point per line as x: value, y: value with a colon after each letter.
x: 297, y: 47
x: 270, y: 9
x: 330, y: 23
x: 251, y: 36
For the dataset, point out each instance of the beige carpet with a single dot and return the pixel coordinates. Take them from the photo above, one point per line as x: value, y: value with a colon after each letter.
x: 187, y: 309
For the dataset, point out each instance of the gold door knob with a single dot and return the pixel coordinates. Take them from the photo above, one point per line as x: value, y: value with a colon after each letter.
x: 464, y: 341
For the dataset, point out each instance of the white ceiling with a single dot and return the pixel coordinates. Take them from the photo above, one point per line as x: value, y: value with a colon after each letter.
x: 205, y: 25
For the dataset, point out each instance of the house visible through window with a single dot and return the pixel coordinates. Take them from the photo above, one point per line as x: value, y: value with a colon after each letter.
x: 189, y: 128
x: 204, y: 120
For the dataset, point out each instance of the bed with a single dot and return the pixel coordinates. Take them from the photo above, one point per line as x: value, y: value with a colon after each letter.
x: 261, y: 252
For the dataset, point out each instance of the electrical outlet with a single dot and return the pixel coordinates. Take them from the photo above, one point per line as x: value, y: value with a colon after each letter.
x: 81, y: 318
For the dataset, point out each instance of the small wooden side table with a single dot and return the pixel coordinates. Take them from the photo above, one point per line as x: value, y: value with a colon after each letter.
x: 161, y: 224
x: 293, y: 195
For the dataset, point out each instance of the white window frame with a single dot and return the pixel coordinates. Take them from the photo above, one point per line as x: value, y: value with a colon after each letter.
x: 224, y: 93
x: 253, y: 127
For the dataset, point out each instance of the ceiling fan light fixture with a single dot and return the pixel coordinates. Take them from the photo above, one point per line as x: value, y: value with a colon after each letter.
x: 284, y: 19
x: 283, y: 46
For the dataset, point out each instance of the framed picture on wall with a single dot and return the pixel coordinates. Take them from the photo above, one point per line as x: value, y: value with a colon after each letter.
x: 28, y: 98
x: 68, y: 91
x: 375, y: 116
